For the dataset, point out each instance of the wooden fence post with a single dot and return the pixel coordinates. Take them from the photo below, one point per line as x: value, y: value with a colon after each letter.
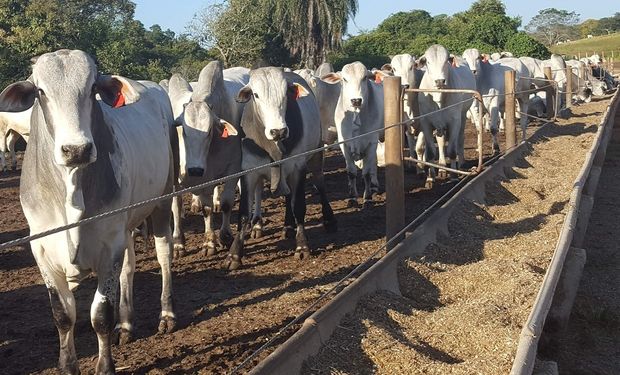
x: 394, y: 174
x: 550, y: 93
x: 510, y: 127
x: 569, y: 87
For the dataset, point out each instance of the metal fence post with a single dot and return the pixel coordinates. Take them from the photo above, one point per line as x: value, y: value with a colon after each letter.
x: 510, y: 127
x: 394, y: 174
x: 550, y: 94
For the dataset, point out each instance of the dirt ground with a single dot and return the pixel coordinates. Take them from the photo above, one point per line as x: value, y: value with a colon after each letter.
x: 464, y: 302
x: 222, y: 316
x: 591, y: 344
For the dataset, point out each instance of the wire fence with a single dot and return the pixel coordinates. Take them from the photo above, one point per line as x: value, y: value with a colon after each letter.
x: 195, y: 188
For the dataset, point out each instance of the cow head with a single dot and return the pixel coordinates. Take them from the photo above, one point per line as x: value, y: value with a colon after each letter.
x: 474, y: 59
x: 437, y: 70
x: 403, y: 66
x: 65, y: 84
x: 354, y: 78
x: 269, y: 91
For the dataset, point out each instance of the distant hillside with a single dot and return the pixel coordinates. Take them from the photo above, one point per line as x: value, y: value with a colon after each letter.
x: 604, y: 43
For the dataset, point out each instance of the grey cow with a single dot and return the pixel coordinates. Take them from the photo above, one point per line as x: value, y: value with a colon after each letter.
x: 281, y: 119
x: 210, y: 124
x: 87, y: 156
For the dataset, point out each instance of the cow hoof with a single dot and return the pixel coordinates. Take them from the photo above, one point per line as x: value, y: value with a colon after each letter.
x: 167, y: 324
x: 352, y: 203
x: 429, y: 184
x: 232, y: 262
x: 443, y: 174
x: 217, y: 208
x: 208, y: 249
x: 105, y: 366
x: 302, y: 253
x: 287, y: 232
x: 331, y: 226
x: 256, y: 232
x: 178, y: 251
x: 122, y: 336
x: 72, y: 368
x: 495, y: 151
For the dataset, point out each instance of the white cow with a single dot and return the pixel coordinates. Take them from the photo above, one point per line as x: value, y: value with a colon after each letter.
x: 87, y: 156
x: 583, y: 70
x: 327, y: 97
x: 12, y: 126
x: 405, y: 66
x: 359, y: 111
x: 490, y: 83
x: 210, y: 123
x: 441, y: 74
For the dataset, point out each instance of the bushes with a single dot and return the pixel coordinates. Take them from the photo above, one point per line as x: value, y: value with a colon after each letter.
x: 521, y: 44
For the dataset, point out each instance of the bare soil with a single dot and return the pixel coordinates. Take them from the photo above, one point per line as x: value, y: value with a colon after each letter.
x: 465, y: 301
x: 591, y: 343
x: 222, y: 316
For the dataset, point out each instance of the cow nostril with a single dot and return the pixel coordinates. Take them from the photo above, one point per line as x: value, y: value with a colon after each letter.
x: 356, y: 102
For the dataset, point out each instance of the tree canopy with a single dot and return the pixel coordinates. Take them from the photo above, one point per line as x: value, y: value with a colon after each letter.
x: 104, y: 28
x: 551, y: 26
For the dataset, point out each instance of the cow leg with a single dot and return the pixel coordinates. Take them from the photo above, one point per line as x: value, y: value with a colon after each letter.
x: 102, y: 308
x: 124, y: 327
x: 227, y: 200
x: 3, y: 153
x: 315, y: 166
x: 421, y: 155
x: 163, y: 247
x: 494, y: 119
x: 441, y: 147
x: 217, y: 191
x: 11, y: 139
x: 250, y: 184
x: 178, y: 238
x: 62, y: 303
x: 523, y: 120
x: 289, y: 218
x: 369, y: 172
x: 298, y: 205
x: 429, y: 152
x: 257, y: 214
x: 206, y: 197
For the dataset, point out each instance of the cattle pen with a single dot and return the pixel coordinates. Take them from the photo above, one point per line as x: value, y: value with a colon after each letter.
x: 226, y: 317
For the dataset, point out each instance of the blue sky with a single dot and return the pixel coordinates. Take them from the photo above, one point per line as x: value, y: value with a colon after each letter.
x: 175, y: 15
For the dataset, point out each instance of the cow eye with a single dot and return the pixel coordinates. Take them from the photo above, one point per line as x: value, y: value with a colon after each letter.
x: 256, y: 95
x: 344, y: 80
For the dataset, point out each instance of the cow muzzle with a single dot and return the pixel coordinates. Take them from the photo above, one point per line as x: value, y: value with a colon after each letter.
x: 356, y: 103
x: 76, y: 155
x: 440, y: 83
x: 195, y: 172
x: 278, y: 134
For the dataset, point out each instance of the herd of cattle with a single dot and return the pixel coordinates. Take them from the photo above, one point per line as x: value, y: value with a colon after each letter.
x: 99, y: 142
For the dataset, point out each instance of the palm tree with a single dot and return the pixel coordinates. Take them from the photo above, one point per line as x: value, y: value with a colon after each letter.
x: 312, y: 28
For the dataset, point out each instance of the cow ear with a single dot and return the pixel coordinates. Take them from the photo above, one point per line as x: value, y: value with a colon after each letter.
x: 421, y: 63
x: 244, y: 95
x: 18, y: 97
x: 332, y: 78
x: 297, y: 91
x: 117, y: 91
x: 178, y: 85
x: 387, y: 68
x: 226, y: 129
x: 378, y: 75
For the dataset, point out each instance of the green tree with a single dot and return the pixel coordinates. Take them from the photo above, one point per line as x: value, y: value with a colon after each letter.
x: 521, y: 44
x: 312, y: 28
x: 589, y: 27
x: 609, y: 25
x: 551, y: 25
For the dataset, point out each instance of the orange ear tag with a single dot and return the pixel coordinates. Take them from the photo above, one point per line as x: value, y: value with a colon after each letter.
x: 225, y: 133
x: 378, y: 79
x: 297, y: 93
x: 120, y: 100
x: 454, y: 63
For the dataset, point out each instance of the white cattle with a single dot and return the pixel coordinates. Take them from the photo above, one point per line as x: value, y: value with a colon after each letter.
x: 85, y: 157
x: 324, y: 69
x: 281, y: 119
x: 210, y: 124
x: 405, y: 66
x: 12, y: 126
x: 583, y: 70
x: 359, y: 111
x: 440, y: 74
x: 327, y: 97
x: 490, y: 84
